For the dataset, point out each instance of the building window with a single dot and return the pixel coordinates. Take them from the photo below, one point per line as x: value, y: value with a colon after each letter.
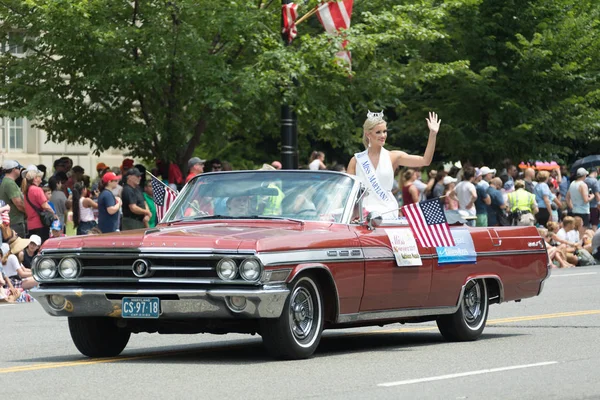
x: 15, y: 134
x: 14, y: 44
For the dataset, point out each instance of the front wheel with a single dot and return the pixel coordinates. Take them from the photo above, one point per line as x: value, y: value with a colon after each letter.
x: 98, y: 336
x: 297, y: 332
x: 468, y: 321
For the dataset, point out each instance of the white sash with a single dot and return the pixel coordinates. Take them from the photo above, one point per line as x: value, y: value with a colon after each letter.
x: 372, y: 183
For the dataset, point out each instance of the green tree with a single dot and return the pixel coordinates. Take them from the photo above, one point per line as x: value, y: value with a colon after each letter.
x: 531, y: 91
x: 162, y: 77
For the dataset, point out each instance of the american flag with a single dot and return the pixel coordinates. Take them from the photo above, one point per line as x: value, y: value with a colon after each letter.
x: 164, y: 196
x: 336, y: 15
x: 428, y: 223
x: 290, y: 13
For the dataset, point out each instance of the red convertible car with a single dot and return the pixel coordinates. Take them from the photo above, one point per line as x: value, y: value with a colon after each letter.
x: 284, y: 254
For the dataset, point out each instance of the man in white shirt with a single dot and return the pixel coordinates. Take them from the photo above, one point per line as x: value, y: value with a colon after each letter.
x: 467, y: 194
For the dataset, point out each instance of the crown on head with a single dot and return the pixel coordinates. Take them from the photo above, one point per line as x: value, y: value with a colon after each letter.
x: 374, y: 115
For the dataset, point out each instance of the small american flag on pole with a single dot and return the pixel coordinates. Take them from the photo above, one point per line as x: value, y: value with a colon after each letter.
x: 428, y: 223
x: 164, y: 196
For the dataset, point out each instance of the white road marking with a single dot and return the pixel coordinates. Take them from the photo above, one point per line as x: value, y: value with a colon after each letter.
x: 8, y: 304
x: 578, y: 274
x: 459, y: 375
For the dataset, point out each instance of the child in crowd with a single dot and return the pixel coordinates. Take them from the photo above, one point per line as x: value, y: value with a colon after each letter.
x: 556, y: 256
x: 70, y: 229
x: 56, y: 230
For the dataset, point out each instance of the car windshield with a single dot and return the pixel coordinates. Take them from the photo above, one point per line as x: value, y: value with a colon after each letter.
x: 302, y: 195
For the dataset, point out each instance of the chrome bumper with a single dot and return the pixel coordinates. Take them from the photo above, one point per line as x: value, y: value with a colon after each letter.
x: 209, y: 303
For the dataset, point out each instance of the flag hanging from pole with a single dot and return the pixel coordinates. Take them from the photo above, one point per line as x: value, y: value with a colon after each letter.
x: 290, y: 13
x: 336, y: 15
x: 164, y: 197
x: 428, y: 223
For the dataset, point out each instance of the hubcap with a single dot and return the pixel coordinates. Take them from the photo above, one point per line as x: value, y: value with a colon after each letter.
x: 472, y: 302
x: 301, y: 313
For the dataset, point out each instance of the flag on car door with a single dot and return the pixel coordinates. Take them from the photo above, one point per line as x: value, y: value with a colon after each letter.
x: 428, y: 223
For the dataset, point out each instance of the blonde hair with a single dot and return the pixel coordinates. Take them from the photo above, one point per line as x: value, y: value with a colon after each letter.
x: 552, y: 226
x: 519, y: 184
x: 542, y: 176
x: 568, y: 221
x: 370, y: 123
x: 578, y: 222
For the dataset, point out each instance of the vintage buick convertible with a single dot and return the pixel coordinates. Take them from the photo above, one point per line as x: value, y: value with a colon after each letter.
x: 284, y: 254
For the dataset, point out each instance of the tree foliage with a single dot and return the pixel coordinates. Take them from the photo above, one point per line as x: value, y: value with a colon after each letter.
x: 163, y: 78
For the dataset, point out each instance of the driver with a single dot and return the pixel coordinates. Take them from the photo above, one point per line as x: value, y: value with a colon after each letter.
x: 238, y: 206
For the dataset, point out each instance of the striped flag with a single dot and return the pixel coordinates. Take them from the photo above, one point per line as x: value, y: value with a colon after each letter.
x: 336, y: 15
x: 428, y: 223
x: 164, y: 197
x: 290, y: 13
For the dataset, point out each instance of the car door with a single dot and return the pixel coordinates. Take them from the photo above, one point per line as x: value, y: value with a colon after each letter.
x: 387, y: 285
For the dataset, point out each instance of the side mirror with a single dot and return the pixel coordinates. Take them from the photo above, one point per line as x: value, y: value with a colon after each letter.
x: 374, y: 219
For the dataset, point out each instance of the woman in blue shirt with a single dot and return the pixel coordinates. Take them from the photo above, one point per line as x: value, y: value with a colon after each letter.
x: 544, y: 198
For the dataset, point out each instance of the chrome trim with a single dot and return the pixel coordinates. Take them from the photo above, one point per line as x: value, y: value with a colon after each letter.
x: 508, y: 252
x: 192, y: 303
x: 543, y: 282
x: 107, y: 279
x: 394, y: 314
x: 146, y: 252
x: 304, y: 256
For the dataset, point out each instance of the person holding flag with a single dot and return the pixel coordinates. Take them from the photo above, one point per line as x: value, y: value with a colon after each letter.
x: 375, y: 166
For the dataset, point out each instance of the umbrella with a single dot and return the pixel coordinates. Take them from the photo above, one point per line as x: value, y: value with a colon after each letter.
x: 586, y: 162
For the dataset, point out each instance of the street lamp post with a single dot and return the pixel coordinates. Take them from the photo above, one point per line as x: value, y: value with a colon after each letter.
x: 289, y: 131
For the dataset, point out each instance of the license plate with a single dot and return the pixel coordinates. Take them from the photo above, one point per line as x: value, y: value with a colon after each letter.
x: 140, y: 307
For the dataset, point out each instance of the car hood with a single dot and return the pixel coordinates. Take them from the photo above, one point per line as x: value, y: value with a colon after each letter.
x: 218, y: 236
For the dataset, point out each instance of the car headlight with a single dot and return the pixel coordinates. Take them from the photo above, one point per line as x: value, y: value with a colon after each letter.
x: 68, y: 268
x: 46, y: 269
x: 227, y: 269
x: 250, y: 269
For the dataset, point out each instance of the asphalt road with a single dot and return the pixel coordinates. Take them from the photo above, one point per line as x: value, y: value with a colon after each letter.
x: 547, y: 347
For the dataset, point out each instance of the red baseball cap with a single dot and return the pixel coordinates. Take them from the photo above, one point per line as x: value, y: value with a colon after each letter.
x: 109, y: 176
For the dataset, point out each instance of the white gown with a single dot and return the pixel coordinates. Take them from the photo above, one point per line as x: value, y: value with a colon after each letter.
x: 385, y: 176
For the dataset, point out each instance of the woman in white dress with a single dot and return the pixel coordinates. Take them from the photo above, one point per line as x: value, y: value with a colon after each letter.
x: 375, y: 166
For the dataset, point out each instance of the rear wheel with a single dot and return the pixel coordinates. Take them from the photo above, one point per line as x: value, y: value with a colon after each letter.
x: 468, y: 322
x: 98, y: 336
x: 297, y: 332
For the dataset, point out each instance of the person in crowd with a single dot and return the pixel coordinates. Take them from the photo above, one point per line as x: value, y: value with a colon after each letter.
x: 512, y: 172
x: 60, y: 165
x: 339, y: 168
x: 228, y: 167
x: 568, y: 232
x: 101, y: 169
x: 427, y: 193
x: 594, y: 188
x: 118, y: 189
x: 438, y: 187
x: 467, y: 194
x: 83, y: 209
x: 565, y: 182
x: 555, y: 255
x: 544, y: 198
x: 135, y: 209
x: 419, y: 184
x: 77, y: 173
x: 317, y: 161
x: 195, y: 166
x: 11, y: 194
x: 70, y: 229
x: 497, y: 205
x: 35, y: 203
x: 578, y: 197
x: 410, y: 193
x: 376, y: 165
x: 528, y: 178
x: 42, y: 167
x: 483, y: 199
x: 126, y: 165
x: 20, y: 277
x: 214, y: 165
x: 31, y: 250
x: 521, y: 204
x: 596, y: 245
x: 58, y: 197
x: 56, y: 230
x: 277, y: 165
x: 108, y: 204
x: 149, y: 197
x: 487, y: 174
x: 450, y: 199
